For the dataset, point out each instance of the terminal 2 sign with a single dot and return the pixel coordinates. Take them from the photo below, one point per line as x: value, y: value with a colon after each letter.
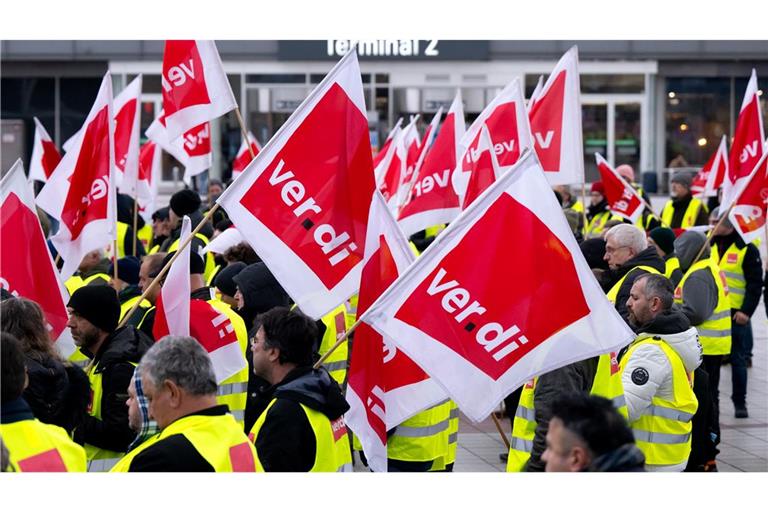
x: 385, y: 49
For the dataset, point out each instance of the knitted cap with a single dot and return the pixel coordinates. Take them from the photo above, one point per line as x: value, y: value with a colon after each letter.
x: 598, y: 187
x: 683, y: 178
x: 127, y: 269
x: 664, y: 238
x: 98, y: 304
x: 225, y: 279
x: 185, y: 202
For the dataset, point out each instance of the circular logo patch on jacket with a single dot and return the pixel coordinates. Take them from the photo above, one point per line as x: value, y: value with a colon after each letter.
x: 639, y: 376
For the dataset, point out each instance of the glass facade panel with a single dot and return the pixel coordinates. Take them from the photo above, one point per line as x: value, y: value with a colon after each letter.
x: 594, y: 119
x: 627, y: 136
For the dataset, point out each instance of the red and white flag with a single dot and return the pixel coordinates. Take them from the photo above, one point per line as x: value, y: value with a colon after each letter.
x: 30, y: 272
x: 710, y: 178
x: 555, y: 117
x: 623, y: 199
x: 150, y: 173
x: 482, y: 330
x: 507, y: 122
x: 749, y: 209
x: 486, y: 169
x: 413, y: 149
x: 432, y: 199
x: 81, y: 191
x: 244, y: 155
x: 303, y: 202
x: 45, y: 156
x: 179, y: 315
x: 192, y: 150
x: 424, y: 147
x: 382, y: 152
x: 389, y: 173
x: 536, y: 93
x: 385, y: 387
x: 747, y: 143
x: 195, y: 86
x: 127, y: 136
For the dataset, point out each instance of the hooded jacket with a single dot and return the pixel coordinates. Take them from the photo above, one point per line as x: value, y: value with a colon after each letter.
x: 647, y: 257
x: 57, y: 393
x: 700, y: 291
x: 260, y: 290
x: 122, y: 347
x: 286, y: 441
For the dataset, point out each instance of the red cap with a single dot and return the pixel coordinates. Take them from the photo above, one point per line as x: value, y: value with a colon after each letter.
x: 598, y: 187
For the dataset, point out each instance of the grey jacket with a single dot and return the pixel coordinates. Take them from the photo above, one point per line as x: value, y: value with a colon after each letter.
x: 700, y: 290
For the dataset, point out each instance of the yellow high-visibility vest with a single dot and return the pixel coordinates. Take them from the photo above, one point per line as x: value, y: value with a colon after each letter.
x: 422, y: 437
x: 732, y: 265
x: 336, y: 323
x: 689, y: 217
x: 233, y: 391
x: 614, y: 291
x: 35, y: 446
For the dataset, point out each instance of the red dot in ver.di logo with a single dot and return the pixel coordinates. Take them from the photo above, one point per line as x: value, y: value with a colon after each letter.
x: 315, y: 194
x: 507, y: 286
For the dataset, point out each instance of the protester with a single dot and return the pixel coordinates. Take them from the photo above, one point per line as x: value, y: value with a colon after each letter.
x: 587, y: 434
x: 93, y: 270
x: 225, y: 284
x: 663, y: 240
x: 597, y: 212
x: 150, y: 268
x: 58, y: 392
x: 655, y: 369
x: 31, y: 444
x: 196, y: 434
x: 186, y: 202
x: 126, y: 238
x: 93, y: 318
x: 161, y: 229
x: 683, y: 210
x: 301, y: 428
x: 127, y: 287
x: 742, y: 267
x: 241, y: 252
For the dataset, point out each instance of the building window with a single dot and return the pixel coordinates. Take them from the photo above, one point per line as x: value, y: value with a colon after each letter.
x: 22, y: 99
x: 77, y: 96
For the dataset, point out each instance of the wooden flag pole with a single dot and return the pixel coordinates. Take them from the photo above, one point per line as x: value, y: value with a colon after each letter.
x: 584, y: 203
x: 135, y: 222
x: 244, y: 132
x: 501, y: 430
x: 161, y: 274
x: 342, y: 338
x: 114, y: 259
x: 710, y: 234
x: 57, y: 260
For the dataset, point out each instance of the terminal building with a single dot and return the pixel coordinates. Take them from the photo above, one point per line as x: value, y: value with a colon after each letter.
x: 650, y: 104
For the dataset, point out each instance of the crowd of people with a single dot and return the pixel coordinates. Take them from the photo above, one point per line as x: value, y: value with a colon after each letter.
x: 129, y: 400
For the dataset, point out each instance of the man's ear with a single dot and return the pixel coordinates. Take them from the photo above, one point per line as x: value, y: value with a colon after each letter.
x: 176, y: 393
x: 273, y: 354
x: 579, y: 458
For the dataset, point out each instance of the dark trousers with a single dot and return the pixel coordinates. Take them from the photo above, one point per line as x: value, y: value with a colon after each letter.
x: 712, y: 366
x: 740, y: 335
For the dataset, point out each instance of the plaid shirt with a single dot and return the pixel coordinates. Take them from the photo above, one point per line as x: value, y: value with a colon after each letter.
x: 148, y: 426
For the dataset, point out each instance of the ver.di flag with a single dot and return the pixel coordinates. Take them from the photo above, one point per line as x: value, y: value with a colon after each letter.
x: 150, y: 173
x: 531, y: 306
x: 195, y: 87
x: 623, y: 199
x: 244, y: 155
x: 425, y: 146
x: 80, y: 193
x: 45, y: 156
x: 30, y: 273
x: 385, y: 387
x: 382, y: 152
x: 192, y: 150
x: 555, y: 116
x: 303, y: 202
x: 748, y: 212
x: 127, y: 137
x: 432, y: 199
x: 710, y: 178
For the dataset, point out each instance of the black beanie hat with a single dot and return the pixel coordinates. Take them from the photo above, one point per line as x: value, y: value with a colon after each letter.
x: 196, y: 263
x: 127, y: 269
x: 185, y: 202
x: 664, y: 238
x: 225, y: 279
x: 593, y: 250
x: 98, y: 304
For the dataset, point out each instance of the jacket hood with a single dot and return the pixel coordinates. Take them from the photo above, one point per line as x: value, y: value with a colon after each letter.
x: 686, y: 344
x: 315, y: 389
x: 625, y: 458
x: 126, y: 344
x: 261, y: 291
x: 687, y: 246
x: 125, y: 205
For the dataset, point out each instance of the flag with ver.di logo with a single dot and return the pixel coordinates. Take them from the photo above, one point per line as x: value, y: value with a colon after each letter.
x: 623, y: 199
x: 533, y: 305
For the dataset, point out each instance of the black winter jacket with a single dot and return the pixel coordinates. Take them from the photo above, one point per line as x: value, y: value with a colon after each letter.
x: 58, y: 393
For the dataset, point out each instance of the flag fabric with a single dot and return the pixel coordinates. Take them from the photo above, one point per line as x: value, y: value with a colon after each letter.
x: 486, y: 170
x: 413, y: 149
x: 81, y: 191
x: 45, y: 156
x: 623, y: 199
x: 389, y: 173
x: 195, y: 86
x: 230, y: 237
x: 150, y: 173
x: 432, y: 199
x: 173, y: 314
x: 192, y: 150
x: 710, y: 178
x: 484, y: 330
x: 747, y: 143
x: 179, y: 315
x: 244, y: 157
x: 127, y: 136
x: 748, y: 211
x: 382, y: 152
x: 31, y: 272
x: 536, y: 93
x: 424, y: 147
x: 507, y: 123
x: 385, y: 387
x: 303, y: 202
x: 555, y: 117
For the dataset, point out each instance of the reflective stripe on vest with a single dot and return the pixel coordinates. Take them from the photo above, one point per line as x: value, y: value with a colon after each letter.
x: 523, y: 430
x: 332, y: 452
x: 218, y: 439
x: 715, y: 331
x: 423, y: 437
x: 614, y: 291
x: 689, y: 218
x: 453, y: 432
x: 732, y: 266
x: 236, y: 386
x: 607, y: 382
x: 663, y: 432
x: 35, y: 446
